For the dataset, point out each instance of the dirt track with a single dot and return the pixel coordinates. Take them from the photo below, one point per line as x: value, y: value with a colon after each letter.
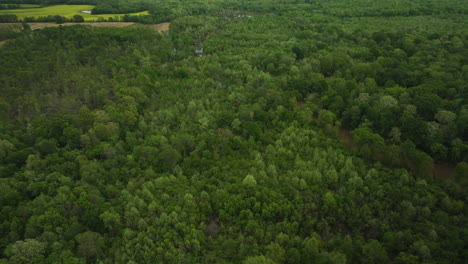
x: 158, y: 27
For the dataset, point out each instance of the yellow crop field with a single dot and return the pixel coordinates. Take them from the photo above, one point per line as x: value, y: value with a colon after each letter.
x: 67, y: 11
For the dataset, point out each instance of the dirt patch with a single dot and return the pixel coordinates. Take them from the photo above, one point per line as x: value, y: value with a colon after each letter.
x: 5, y: 25
x: 17, y: 27
x: 345, y: 135
x: 301, y: 104
x: 212, y: 228
x: 443, y: 170
x: 163, y: 27
x: 315, y: 116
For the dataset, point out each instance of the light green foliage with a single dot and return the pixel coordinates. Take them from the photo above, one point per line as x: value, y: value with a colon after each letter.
x: 5, y: 148
x: 388, y: 102
x: 27, y: 251
x: 111, y: 220
x: 395, y: 134
x: 249, y: 181
x: 329, y: 202
x: 445, y: 117
x: 276, y: 253
x: 311, y: 248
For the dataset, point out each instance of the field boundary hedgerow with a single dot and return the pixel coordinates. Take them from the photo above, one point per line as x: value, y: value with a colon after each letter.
x: 162, y: 27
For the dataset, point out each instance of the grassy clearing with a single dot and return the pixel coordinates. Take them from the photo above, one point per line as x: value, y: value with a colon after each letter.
x: 67, y: 11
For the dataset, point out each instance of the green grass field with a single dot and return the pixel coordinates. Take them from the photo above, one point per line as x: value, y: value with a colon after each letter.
x: 67, y: 11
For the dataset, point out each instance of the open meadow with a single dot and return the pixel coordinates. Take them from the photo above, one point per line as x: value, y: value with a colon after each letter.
x: 67, y: 11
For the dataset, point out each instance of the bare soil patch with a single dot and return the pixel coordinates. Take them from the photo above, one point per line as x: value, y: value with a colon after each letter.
x: 158, y: 27
x: 345, y: 135
x: 14, y: 26
x: 443, y: 170
x: 315, y: 116
x: 212, y: 228
x: 301, y: 104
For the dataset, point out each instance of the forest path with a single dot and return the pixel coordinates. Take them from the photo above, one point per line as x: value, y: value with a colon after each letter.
x: 162, y: 27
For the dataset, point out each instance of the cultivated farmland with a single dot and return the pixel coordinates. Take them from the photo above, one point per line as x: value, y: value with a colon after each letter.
x: 67, y: 11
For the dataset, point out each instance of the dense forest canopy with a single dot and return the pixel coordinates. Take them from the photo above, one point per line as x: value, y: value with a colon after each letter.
x: 216, y: 142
